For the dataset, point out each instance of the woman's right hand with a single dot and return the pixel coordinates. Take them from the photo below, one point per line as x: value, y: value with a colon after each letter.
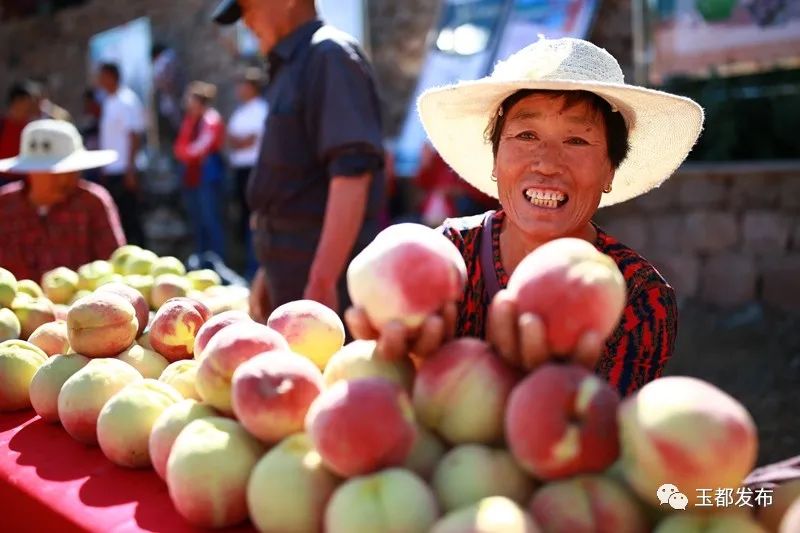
x: 395, y: 340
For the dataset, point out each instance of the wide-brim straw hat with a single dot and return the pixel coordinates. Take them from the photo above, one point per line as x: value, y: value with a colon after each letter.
x: 662, y: 127
x: 54, y: 147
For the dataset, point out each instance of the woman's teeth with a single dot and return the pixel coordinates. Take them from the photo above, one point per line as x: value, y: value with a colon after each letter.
x: 548, y: 199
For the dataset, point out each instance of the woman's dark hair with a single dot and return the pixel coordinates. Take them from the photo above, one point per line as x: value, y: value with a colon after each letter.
x: 616, y: 130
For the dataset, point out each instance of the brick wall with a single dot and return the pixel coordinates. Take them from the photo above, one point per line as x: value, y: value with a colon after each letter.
x: 724, y: 235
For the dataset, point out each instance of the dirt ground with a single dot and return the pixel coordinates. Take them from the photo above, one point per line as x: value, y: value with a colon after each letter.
x: 754, y: 355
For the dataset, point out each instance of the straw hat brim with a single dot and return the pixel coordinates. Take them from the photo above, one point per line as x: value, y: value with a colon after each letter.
x: 662, y: 129
x: 76, y: 161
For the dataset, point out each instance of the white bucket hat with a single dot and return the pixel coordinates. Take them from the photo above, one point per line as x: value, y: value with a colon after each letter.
x: 662, y: 128
x: 54, y: 147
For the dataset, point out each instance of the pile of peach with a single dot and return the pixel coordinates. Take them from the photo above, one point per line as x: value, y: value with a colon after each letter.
x: 286, y: 425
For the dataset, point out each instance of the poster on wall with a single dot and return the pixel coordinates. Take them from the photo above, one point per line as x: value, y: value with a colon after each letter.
x: 701, y: 37
x: 129, y: 47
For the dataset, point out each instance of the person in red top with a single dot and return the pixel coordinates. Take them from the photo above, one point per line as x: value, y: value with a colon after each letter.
x: 198, y: 147
x: 21, y: 110
x: 53, y: 217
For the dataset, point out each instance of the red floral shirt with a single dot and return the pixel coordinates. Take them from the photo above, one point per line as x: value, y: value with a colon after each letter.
x: 644, y: 339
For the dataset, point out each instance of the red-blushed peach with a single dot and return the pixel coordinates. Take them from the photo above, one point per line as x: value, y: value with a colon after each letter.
x: 208, y: 470
x: 494, y: 514
x: 168, y: 265
x: 175, y: 326
x: 121, y: 255
x: 408, y: 272
x: 92, y: 275
x: 311, y: 329
x: 289, y: 488
x: 150, y: 364
x: 783, y: 497
x: 32, y: 313
x: 60, y: 285
x: 10, y: 328
x: 229, y: 348
x: 48, y: 380
x: 8, y: 287
x: 561, y: 421
x: 51, y: 338
x: 461, y: 392
x: 126, y: 419
x: 573, y: 288
x: 701, y: 523
x: 102, y: 324
x: 271, y: 394
x: 135, y: 298
x: 212, y: 326
x: 687, y: 432
x: 362, y: 426
x: 391, y: 500
x: 587, y: 504
x: 86, y: 391
x: 425, y: 454
x: 30, y: 287
x: 471, y: 472
x: 166, y: 287
x: 360, y: 359
x: 19, y: 361
x: 182, y: 375
x: 168, y: 426
x: 60, y: 312
x: 203, y: 279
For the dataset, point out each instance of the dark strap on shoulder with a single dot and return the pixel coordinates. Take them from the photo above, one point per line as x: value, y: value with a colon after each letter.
x: 490, y: 282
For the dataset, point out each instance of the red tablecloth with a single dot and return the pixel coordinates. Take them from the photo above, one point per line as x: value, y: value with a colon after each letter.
x: 49, y: 482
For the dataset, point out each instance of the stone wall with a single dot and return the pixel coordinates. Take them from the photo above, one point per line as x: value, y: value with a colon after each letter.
x: 724, y: 235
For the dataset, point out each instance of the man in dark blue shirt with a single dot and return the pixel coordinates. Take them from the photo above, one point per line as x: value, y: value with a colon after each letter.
x: 317, y: 188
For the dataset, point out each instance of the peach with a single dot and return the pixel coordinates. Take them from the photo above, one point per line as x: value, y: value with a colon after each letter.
x: 696, y: 523
x: 166, y: 287
x: 51, y: 338
x: 391, y: 500
x: 8, y: 287
x: 561, y: 421
x: 208, y: 469
x: 92, y: 275
x: 587, y: 504
x: 360, y: 359
x: 289, y: 488
x: 149, y: 363
x: 48, y: 380
x: 784, y: 496
x: 102, y: 324
x: 425, y: 454
x: 791, y: 519
x: 135, y: 298
x: 139, y: 262
x: 30, y: 287
x: 19, y: 361
x: 182, y: 375
x: 228, y: 349
x: 271, y: 394
x: 60, y: 285
x: 174, y: 328
x: 471, y: 472
x: 125, y: 421
x: 687, y: 432
x: 573, y: 288
x: 82, y: 293
x: 361, y: 426
x: 86, y: 391
x: 494, y: 514
x: 203, y: 279
x: 122, y: 255
x: 168, y: 426
x: 10, y: 327
x: 408, y: 272
x: 60, y: 312
x: 311, y: 329
x: 143, y: 284
x: 32, y: 313
x: 212, y: 326
x: 461, y: 392
x: 168, y: 265
x: 144, y: 341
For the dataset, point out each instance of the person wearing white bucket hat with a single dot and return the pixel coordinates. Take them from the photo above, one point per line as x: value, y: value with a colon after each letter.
x: 53, y: 217
x: 553, y: 133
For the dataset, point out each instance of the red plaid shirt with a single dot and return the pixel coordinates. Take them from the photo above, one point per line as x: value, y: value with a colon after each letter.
x: 82, y: 228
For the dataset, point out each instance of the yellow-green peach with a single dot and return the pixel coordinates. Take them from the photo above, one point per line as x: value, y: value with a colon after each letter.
x: 203, y: 279
x: 360, y: 359
x: 494, y: 514
x: 102, y: 324
x: 51, y: 338
x: 48, y: 380
x: 175, y: 326
x: 703, y: 523
x: 85, y: 393
x: 60, y: 285
x: 30, y: 287
x: 168, y: 426
x: 82, y: 293
x: 8, y: 287
x: 140, y: 262
x: 168, y: 265
x: 425, y: 454
x: 121, y: 255
x: 92, y: 275
x: 125, y: 422
x: 182, y: 375
x: 208, y: 469
x: 135, y: 298
x: 289, y: 488
x: 9, y: 325
x: 311, y: 329
x: 166, y: 287
x: 19, y: 361
x: 143, y: 284
x: 214, y: 325
x: 150, y: 364
x: 391, y: 500
x: 32, y: 313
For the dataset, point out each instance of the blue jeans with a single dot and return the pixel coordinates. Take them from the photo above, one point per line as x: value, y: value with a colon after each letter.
x: 204, y: 207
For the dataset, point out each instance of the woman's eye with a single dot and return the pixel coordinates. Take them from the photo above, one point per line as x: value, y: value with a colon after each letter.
x: 526, y: 135
x: 577, y: 141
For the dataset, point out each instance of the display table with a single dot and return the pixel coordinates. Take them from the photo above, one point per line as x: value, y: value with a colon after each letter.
x: 49, y: 482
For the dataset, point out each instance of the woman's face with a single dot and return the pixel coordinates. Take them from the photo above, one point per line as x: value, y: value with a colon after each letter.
x: 551, y: 166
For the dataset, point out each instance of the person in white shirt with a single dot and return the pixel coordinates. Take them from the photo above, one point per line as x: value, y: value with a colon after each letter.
x: 122, y: 125
x: 245, y: 130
